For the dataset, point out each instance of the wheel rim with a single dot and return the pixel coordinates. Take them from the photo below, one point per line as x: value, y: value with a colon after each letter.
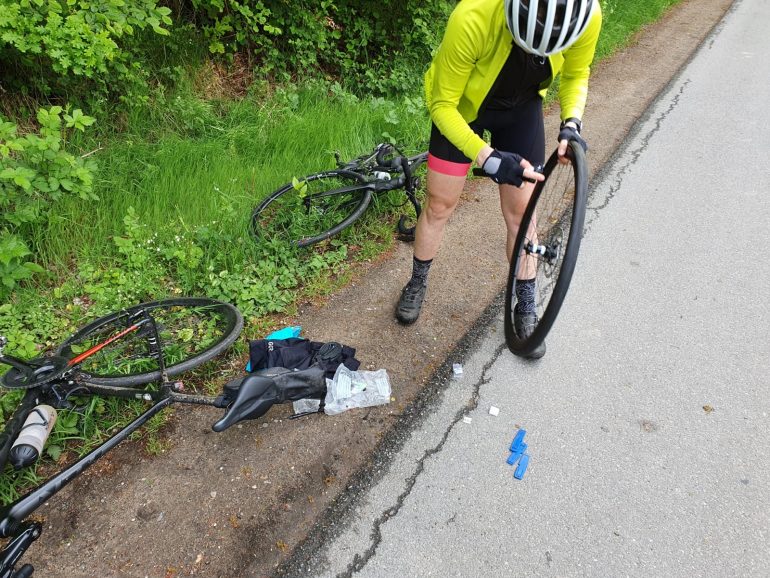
x: 191, y: 331
x: 299, y: 213
x: 547, y: 248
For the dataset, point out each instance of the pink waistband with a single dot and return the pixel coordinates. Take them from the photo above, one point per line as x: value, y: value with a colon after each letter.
x: 448, y: 167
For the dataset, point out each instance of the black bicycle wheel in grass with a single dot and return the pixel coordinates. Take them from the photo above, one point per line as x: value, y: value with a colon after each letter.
x: 192, y: 331
x: 547, y: 245
x: 313, y: 209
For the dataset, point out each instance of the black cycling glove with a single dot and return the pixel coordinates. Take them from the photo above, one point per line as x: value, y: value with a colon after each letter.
x: 571, y: 133
x: 504, y: 168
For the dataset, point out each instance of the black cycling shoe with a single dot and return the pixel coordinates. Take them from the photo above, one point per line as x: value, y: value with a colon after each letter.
x: 524, y: 324
x: 410, y: 303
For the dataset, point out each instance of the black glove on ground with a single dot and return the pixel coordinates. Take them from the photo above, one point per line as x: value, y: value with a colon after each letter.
x: 504, y: 168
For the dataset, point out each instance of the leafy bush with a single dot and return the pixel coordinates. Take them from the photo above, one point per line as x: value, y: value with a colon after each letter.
x: 89, y: 50
x: 63, y: 43
x: 36, y: 171
x: 384, y: 46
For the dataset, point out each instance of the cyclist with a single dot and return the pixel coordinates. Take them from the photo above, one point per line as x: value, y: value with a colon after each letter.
x: 495, y: 62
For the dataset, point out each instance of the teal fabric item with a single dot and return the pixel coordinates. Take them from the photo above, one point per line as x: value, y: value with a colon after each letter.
x: 285, y: 333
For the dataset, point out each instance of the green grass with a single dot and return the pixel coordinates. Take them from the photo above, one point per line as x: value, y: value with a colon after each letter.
x: 238, y: 153
x: 623, y: 18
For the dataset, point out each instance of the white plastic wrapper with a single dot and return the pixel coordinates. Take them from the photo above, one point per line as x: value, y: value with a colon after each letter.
x: 351, y: 389
x: 306, y: 405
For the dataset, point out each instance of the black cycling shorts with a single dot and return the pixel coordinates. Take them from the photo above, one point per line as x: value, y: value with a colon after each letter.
x: 518, y: 129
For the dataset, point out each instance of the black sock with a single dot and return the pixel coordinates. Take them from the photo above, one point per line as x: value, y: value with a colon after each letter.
x: 525, y: 296
x: 420, y: 270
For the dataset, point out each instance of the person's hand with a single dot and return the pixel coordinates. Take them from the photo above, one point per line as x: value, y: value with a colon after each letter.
x: 570, y: 130
x: 510, y: 169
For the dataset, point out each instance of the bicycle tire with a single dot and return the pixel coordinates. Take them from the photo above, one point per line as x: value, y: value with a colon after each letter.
x: 204, y: 313
x: 553, y: 220
x: 330, y: 202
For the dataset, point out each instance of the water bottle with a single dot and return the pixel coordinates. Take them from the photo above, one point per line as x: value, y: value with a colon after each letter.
x: 381, y: 176
x: 32, y: 437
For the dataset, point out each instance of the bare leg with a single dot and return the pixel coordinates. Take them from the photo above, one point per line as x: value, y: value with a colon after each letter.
x: 443, y: 195
x: 513, y: 202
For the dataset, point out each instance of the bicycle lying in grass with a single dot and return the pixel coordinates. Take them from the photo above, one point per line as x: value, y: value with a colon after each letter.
x: 309, y: 210
x: 112, y: 357
x: 547, y: 244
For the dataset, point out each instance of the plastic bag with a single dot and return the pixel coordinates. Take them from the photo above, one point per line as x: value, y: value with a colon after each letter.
x: 351, y: 389
x: 306, y: 405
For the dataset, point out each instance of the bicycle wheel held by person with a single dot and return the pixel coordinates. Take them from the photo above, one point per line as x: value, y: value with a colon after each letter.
x: 545, y: 251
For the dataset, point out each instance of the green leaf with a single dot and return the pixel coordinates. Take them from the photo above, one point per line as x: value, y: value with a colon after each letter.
x: 23, y: 182
x: 78, y: 120
x: 34, y: 267
x: 54, y: 451
x: 186, y: 334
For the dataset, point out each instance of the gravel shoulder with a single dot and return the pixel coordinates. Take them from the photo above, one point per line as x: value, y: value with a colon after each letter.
x: 260, y: 495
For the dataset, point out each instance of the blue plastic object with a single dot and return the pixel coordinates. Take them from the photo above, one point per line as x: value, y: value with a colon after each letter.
x: 285, y: 333
x: 518, y: 440
x: 522, y: 467
x: 516, y: 454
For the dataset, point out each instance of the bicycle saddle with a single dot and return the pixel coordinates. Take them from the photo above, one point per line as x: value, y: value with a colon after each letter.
x: 250, y: 396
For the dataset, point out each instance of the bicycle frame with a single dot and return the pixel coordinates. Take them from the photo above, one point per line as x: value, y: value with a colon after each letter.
x: 12, y: 516
x: 376, y: 162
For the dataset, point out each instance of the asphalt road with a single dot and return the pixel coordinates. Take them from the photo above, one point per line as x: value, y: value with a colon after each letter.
x: 647, y: 421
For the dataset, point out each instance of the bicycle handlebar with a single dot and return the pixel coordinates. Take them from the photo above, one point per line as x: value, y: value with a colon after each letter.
x: 383, y: 150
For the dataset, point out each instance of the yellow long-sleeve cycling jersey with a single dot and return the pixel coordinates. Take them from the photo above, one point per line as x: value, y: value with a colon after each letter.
x: 474, y: 49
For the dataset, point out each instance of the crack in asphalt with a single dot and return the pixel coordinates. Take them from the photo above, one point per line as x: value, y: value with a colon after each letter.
x: 361, y: 560
x: 621, y: 171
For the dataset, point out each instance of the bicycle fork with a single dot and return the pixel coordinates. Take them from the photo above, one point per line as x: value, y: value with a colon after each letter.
x: 13, y: 552
x: 410, y: 186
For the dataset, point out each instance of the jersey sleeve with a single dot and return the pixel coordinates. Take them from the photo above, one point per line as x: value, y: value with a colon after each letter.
x: 452, y: 66
x: 573, y: 88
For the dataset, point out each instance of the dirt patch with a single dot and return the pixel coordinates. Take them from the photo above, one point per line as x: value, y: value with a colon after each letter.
x: 216, y: 81
x: 239, y: 503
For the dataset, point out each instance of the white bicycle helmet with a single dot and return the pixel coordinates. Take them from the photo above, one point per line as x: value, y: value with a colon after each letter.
x: 543, y: 27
